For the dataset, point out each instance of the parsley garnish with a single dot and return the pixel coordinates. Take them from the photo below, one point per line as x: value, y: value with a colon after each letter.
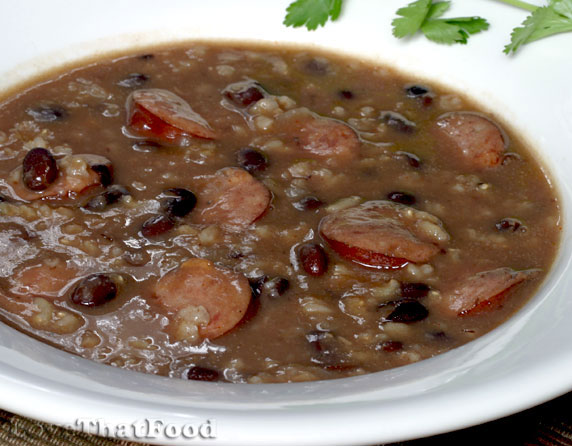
x: 425, y: 16
x: 312, y: 13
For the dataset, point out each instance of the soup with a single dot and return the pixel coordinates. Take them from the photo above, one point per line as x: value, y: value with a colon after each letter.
x: 262, y: 214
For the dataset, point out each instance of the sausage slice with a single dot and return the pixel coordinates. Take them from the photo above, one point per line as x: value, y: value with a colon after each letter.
x: 232, y: 197
x: 77, y: 174
x: 474, y: 140
x: 383, y: 234
x: 47, y: 280
x: 328, y: 138
x: 198, y: 282
x: 163, y: 116
x: 484, y: 291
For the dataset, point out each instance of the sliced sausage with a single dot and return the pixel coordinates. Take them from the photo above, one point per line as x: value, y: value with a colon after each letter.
x: 47, y: 279
x: 383, y: 234
x: 76, y: 175
x: 163, y: 116
x: 198, y: 282
x: 232, y: 197
x: 327, y: 138
x: 474, y: 140
x: 484, y: 291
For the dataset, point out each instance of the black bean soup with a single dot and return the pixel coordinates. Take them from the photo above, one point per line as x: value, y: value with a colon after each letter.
x: 262, y: 214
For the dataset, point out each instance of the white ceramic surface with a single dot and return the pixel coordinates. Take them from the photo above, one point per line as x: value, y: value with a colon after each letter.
x: 523, y: 363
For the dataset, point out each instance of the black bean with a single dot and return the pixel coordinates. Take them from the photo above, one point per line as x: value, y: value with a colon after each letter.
x: 94, y: 290
x: 346, y: 94
x: 146, y: 146
x: 510, y: 224
x: 198, y: 373
x: 416, y: 90
x: 439, y: 336
x: 320, y: 341
x: 401, y: 197
x: 134, y: 80
x: 277, y: 286
x: 389, y: 346
x: 105, y: 172
x: 181, y: 204
x: 340, y: 367
x: 256, y: 285
x: 111, y: 196
x: 421, y: 93
x: 39, y: 169
x: 157, y: 225
x: 252, y: 160
x: 398, y: 122
x: 309, y: 203
x: 48, y: 113
x: 244, y: 93
x: 317, y: 66
x: 313, y: 259
x: 413, y: 160
x: 235, y: 254
x: 408, y: 311
x: 414, y: 290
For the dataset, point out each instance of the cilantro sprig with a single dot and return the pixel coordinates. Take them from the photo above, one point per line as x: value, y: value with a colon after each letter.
x: 426, y: 16
x: 312, y: 13
x: 545, y: 21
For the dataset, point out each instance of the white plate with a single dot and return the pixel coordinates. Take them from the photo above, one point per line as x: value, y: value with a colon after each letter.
x: 523, y: 363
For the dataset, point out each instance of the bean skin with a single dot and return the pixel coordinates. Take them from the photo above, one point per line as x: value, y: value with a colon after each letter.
x: 111, y: 196
x: 313, y: 259
x: 183, y: 202
x: 48, y: 113
x: 252, y: 160
x: 157, y: 225
x: 308, y: 204
x: 105, y: 172
x: 248, y: 93
x: 277, y: 286
x: 389, y: 346
x: 133, y: 80
x: 39, y: 169
x: 256, y: 285
x: 408, y: 311
x: 510, y: 224
x: 398, y: 122
x: 414, y: 290
x: 402, y: 198
x: 94, y: 290
x: 416, y: 91
x: 198, y: 373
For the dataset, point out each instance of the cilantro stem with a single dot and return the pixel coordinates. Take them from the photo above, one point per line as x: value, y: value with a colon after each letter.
x: 520, y: 4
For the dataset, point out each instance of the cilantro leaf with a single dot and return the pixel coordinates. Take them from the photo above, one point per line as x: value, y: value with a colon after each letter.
x: 412, y: 17
x: 457, y: 30
x: 442, y: 32
x: 436, y: 10
x: 543, y: 22
x: 312, y: 13
x: 424, y: 15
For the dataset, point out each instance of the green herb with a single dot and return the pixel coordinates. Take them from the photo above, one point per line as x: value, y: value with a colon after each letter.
x: 545, y: 21
x: 424, y: 15
x: 312, y: 13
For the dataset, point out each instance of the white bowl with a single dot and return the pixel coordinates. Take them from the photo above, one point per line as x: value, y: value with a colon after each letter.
x: 523, y: 363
